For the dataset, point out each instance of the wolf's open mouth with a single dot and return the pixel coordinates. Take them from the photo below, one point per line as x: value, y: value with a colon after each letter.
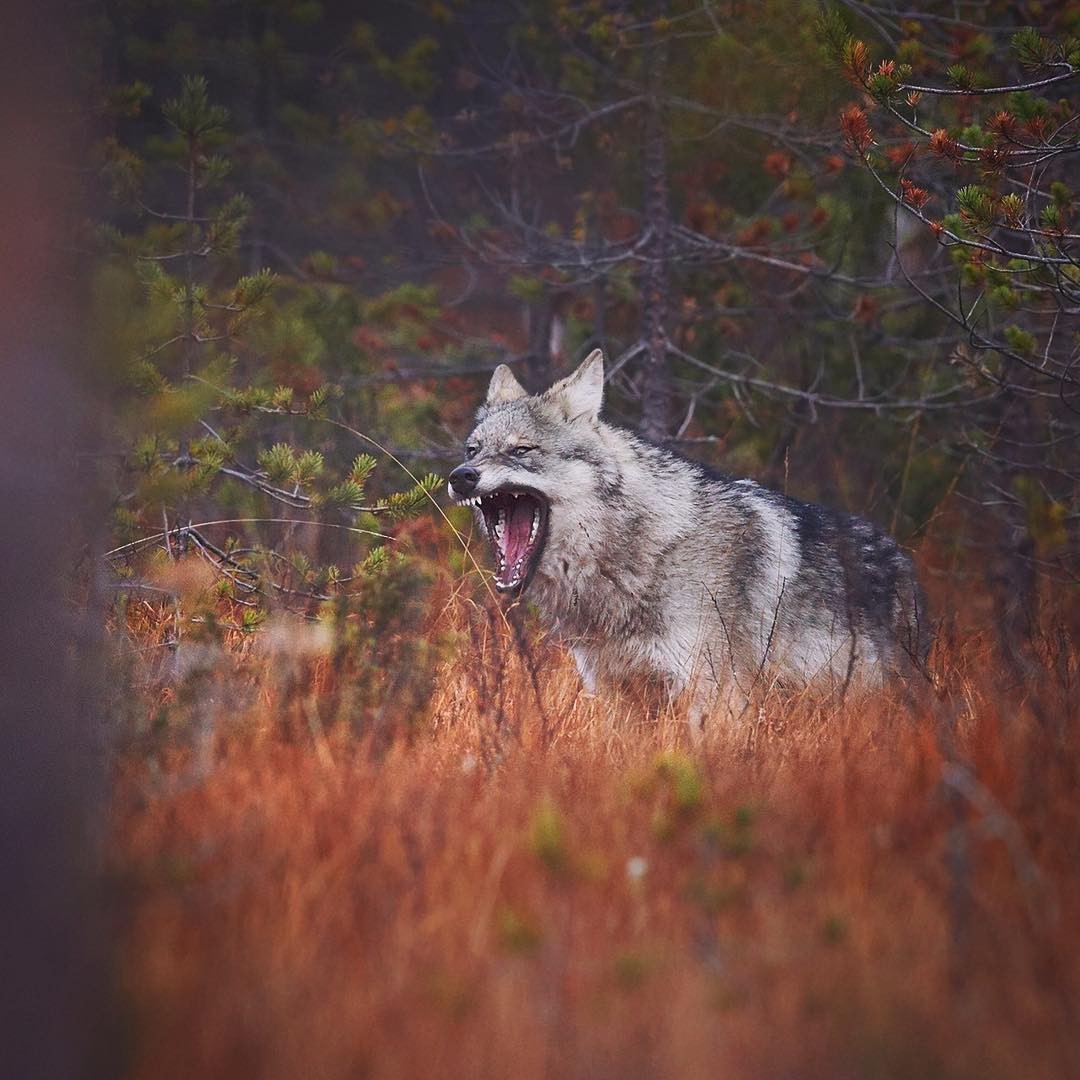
x: 516, y: 521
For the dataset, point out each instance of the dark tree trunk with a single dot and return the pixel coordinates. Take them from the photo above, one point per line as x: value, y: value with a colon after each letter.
x: 538, y: 367
x: 1015, y: 572
x: 656, y: 377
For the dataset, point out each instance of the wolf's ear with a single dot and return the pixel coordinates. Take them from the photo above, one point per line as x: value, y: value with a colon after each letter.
x: 582, y: 393
x: 504, y: 387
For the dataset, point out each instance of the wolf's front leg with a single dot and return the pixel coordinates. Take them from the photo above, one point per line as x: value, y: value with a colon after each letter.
x: 700, y: 706
x: 713, y: 705
x: 698, y: 697
x: 586, y: 666
x: 692, y: 681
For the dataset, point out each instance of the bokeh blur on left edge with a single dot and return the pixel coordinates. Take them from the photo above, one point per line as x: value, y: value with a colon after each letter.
x: 53, y: 940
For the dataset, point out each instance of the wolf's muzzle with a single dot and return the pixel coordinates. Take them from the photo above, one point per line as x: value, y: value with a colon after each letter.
x: 463, y: 480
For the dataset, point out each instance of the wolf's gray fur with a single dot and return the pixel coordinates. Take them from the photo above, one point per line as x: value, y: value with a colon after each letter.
x: 653, y: 564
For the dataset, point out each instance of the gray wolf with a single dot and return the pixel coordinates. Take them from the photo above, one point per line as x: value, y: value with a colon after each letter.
x: 647, y: 563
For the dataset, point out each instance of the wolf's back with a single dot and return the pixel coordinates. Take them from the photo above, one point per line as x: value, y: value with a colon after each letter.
x: 876, y: 590
x: 819, y: 578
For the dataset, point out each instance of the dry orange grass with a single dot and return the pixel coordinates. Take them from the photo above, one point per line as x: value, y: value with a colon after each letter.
x: 530, y: 884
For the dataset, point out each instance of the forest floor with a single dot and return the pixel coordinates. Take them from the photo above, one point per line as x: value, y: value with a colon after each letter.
x: 531, y: 883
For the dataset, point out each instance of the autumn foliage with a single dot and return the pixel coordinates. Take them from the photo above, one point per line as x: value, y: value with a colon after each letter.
x: 522, y: 881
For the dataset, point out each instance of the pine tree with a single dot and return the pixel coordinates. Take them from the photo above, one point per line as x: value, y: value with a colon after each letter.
x: 979, y: 155
x: 212, y: 443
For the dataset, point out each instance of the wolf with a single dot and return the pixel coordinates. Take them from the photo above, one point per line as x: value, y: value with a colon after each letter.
x: 647, y: 563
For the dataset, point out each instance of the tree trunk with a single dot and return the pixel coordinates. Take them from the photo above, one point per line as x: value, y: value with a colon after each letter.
x: 538, y: 368
x: 1014, y: 576
x: 656, y: 378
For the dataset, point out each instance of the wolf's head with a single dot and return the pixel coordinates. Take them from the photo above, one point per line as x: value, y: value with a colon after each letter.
x: 530, y: 462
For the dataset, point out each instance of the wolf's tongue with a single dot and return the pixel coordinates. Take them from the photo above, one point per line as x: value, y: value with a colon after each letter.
x: 515, y: 536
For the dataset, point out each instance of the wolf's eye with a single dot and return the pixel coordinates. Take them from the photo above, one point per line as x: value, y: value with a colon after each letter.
x: 472, y: 450
x: 521, y: 451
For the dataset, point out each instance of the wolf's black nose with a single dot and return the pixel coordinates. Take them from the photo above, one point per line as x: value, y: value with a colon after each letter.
x: 464, y: 480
